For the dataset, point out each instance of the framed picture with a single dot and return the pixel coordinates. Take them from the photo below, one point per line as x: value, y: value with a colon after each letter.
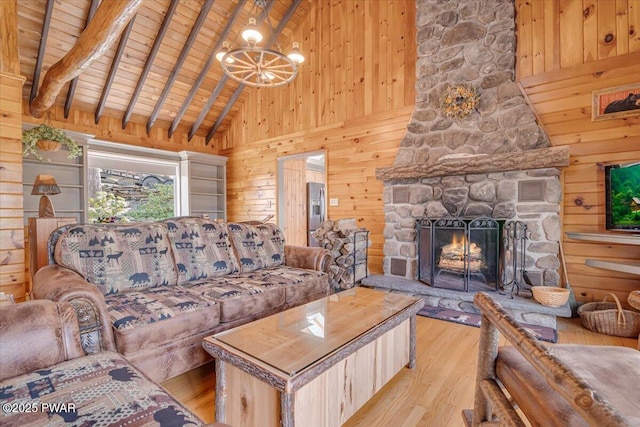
x: 616, y: 102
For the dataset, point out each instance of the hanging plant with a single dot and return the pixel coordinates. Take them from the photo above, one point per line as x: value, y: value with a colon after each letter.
x: 459, y: 100
x: 44, y: 138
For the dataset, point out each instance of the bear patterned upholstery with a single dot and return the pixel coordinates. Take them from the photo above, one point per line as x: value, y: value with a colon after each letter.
x: 201, y: 249
x: 61, y: 387
x: 273, y: 240
x: 158, y: 316
x: 258, y: 246
x: 160, y: 287
x: 297, y: 283
x: 239, y: 297
x: 119, y: 259
x: 101, y: 389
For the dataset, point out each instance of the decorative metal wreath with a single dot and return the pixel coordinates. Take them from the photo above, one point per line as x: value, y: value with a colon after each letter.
x: 459, y: 100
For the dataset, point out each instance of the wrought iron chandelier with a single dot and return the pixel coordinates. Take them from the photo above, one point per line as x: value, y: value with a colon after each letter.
x: 258, y: 66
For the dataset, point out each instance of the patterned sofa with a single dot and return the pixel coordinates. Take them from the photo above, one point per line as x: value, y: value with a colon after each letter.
x: 152, y: 291
x: 46, y: 379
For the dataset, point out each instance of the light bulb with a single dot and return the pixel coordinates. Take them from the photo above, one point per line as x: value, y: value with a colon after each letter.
x: 267, y: 75
x: 222, y: 52
x: 295, y: 55
x: 251, y: 34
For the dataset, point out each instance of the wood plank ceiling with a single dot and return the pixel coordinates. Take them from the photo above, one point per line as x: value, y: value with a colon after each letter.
x: 162, y: 69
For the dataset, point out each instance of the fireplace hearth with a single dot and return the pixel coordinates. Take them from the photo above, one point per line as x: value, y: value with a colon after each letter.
x: 459, y: 254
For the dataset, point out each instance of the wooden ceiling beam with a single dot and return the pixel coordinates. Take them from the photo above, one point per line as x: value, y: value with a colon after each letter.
x: 207, y: 66
x: 46, y: 23
x: 281, y: 25
x: 224, y: 112
x: 205, y: 110
x: 176, y: 68
x: 147, y: 65
x: 223, y: 81
x: 114, y: 69
x: 110, y: 19
x: 73, y: 83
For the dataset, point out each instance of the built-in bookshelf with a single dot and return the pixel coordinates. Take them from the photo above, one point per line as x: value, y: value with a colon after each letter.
x: 206, y: 178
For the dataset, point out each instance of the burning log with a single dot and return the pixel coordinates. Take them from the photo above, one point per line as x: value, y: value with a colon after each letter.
x: 452, y: 258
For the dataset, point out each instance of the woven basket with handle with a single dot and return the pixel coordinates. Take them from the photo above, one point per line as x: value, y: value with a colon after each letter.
x: 610, y: 318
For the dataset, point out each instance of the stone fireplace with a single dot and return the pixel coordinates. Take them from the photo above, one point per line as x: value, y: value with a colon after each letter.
x: 496, y: 162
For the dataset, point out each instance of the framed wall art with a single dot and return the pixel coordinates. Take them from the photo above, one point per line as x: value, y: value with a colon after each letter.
x: 616, y: 102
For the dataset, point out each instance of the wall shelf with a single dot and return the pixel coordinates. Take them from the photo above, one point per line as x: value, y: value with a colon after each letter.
x: 622, y: 266
x: 631, y: 267
x: 205, y: 175
x: 620, y: 239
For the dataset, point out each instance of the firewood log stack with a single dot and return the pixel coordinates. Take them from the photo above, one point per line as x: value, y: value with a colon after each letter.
x: 348, y: 245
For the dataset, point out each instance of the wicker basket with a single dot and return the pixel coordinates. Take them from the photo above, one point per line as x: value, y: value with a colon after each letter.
x: 551, y: 296
x: 47, y: 145
x: 610, y: 318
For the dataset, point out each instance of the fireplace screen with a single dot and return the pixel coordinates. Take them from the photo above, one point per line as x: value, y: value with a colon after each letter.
x: 459, y: 254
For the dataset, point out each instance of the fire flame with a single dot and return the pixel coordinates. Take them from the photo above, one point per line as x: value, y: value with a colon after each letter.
x: 461, y: 242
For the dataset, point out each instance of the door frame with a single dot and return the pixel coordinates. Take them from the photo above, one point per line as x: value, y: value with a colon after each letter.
x: 280, y: 208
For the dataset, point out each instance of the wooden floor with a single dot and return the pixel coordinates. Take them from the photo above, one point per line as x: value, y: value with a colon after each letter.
x: 432, y: 394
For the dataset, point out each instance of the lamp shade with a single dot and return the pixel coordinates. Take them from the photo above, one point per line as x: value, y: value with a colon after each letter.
x: 45, y: 185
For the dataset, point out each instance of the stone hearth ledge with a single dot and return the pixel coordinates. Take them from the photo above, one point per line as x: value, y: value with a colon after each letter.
x: 523, y: 309
x: 481, y: 163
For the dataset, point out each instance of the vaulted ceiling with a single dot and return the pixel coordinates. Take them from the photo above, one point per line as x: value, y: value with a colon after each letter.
x: 161, y: 71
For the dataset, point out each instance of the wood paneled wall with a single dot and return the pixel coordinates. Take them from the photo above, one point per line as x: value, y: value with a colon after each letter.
x: 560, y: 92
x: 353, y: 98
x: 12, y: 254
x: 557, y: 34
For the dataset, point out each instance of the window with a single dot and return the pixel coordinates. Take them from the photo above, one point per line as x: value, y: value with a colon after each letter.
x: 130, y: 187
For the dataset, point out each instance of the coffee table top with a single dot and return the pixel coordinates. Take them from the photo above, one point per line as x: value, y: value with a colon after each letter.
x: 296, y: 338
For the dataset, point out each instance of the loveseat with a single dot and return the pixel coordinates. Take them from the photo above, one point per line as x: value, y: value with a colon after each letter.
x: 152, y: 291
x: 46, y: 379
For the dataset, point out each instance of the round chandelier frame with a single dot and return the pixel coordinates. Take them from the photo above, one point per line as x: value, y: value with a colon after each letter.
x: 259, y: 67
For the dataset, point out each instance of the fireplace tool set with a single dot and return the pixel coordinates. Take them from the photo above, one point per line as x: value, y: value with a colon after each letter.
x: 514, y: 275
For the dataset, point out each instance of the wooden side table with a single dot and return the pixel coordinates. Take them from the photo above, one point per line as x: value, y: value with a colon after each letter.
x: 39, y: 231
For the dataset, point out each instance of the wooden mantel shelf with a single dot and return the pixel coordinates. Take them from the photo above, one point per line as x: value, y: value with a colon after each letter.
x: 530, y: 159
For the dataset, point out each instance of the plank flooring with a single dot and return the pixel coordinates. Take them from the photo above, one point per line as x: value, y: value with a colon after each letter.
x: 433, y: 394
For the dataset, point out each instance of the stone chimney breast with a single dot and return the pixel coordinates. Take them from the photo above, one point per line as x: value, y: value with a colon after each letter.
x: 478, y: 164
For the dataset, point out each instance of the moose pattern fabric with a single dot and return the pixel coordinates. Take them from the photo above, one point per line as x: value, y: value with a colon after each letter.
x: 96, y: 390
x: 273, y: 239
x: 257, y: 246
x: 201, y: 248
x: 119, y: 258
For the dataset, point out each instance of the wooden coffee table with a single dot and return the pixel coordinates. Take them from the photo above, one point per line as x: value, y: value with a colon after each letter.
x: 316, y: 364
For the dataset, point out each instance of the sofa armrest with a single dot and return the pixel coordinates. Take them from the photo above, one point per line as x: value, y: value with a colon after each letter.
x: 57, y: 283
x: 311, y: 258
x: 35, y: 335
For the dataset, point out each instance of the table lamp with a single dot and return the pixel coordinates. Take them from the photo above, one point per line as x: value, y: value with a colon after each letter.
x: 45, y: 185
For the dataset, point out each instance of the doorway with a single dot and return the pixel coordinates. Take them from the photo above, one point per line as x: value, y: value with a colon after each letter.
x: 296, y: 207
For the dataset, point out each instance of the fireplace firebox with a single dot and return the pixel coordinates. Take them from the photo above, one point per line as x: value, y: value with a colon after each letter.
x: 459, y: 254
